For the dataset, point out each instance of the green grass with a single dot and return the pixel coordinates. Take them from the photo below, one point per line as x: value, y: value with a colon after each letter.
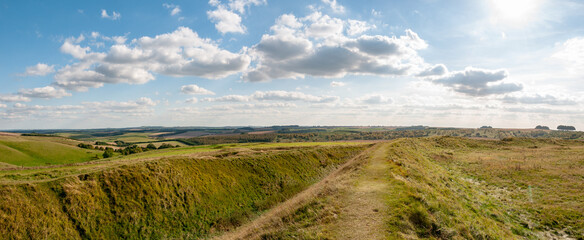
x: 175, y: 197
x: 41, y: 151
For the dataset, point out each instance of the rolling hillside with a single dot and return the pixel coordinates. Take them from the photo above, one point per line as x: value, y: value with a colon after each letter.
x: 409, y: 188
x: 29, y: 151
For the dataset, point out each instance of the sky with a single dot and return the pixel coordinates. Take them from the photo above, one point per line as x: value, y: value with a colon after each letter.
x: 100, y: 64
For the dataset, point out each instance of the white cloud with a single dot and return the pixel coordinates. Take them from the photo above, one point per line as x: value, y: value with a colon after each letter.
x: 241, y: 5
x: 539, y: 99
x: 225, y: 18
x: 228, y: 98
x: 337, y: 84
x: 320, y: 49
x: 288, y: 20
x: 375, y: 99
x: 115, y: 15
x: 436, y: 70
x: 237, y: 108
x: 275, y: 96
x: 194, y: 89
x: 44, y: 92
x: 74, y: 50
x: 323, y: 26
x: 338, y: 8
x: 226, y: 21
x: 292, y: 96
x: 140, y: 104
x: 358, y: 27
x: 571, y: 54
x: 192, y: 100
x: 478, y: 82
x: 174, y: 9
x: 3, y: 105
x: 40, y: 69
x: 13, y: 98
x: 179, y: 53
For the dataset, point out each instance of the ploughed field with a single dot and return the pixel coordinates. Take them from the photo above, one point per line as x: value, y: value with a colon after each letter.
x: 408, y: 188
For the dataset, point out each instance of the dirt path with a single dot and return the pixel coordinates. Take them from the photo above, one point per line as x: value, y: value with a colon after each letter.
x: 363, y: 210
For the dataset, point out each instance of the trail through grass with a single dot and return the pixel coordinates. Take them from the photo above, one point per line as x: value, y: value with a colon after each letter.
x: 363, y: 208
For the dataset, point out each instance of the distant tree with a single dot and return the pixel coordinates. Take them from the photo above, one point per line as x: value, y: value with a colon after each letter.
x: 151, y: 146
x: 542, y: 127
x: 109, y: 152
x: 165, y: 145
x: 566, y: 128
x: 486, y: 127
x: 83, y: 145
x: 133, y: 149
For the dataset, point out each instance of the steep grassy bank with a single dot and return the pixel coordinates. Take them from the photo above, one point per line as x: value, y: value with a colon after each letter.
x: 177, y: 197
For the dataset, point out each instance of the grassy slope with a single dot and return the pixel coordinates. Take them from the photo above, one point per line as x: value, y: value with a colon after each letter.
x: 177, y: 197
x: 455, y: 188
x: 40, y: 151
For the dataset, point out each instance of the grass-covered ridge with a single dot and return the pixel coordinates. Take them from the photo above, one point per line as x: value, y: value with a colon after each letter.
x: 174, y: 197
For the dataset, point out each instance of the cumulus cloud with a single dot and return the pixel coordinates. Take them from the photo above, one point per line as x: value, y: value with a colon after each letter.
x: 338, y: 8
x: 226, y: 21
x: 375, y: 99
x: 337, y: 84
x: 539, y: 99
x: 174, y: 9
x: 316, y: 46
x: 238, y: 107
x: 40, y: 69
x: 44, y: 92
x: 357, y: 27
x: 194, y: 89
x: 13, y: 98
x: 478, y: 82
x: 292, y: 96
x: 228, y: 98
x: 179, y: 53
x: 69, y: 47
x: 225, y: 18
x: 114, y: 16
x: 128, y: 106
x: 274, y: 96
x: 192, y: 100
x: 436, y: 70
x: 241, y: 5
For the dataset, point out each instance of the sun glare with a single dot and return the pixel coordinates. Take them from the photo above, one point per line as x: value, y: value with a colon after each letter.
x: 516, y: 13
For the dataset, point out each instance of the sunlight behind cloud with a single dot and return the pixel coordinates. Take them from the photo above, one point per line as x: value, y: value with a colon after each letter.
x: 514, y: 13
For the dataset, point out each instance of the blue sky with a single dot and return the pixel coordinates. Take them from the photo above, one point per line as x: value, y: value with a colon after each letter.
x: 94, y: 64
